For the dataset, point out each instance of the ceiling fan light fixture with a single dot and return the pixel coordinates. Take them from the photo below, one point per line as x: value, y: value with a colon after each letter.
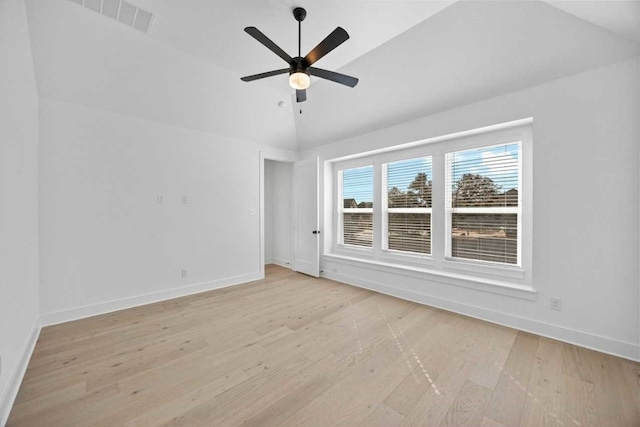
x: 299, y: 80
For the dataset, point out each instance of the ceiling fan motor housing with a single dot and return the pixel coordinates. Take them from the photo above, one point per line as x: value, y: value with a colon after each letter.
x: 298, y: 65
x: 299, y: 13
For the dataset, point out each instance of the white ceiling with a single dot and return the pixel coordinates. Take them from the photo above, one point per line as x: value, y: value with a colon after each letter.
x: 618, y: 16
x: 413, y: 58
x: 84, y: 58
x: 469, y: 52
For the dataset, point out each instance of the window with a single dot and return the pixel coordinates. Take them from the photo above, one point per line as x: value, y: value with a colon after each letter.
x: 482, y: 204
x: 356, y: 206
x: 456, y: 206
x: 406, y: 201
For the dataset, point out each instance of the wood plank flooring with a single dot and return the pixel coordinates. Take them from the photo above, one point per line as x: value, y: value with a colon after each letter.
x: 296, y: 351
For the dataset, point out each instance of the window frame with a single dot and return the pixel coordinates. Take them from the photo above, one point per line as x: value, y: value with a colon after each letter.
x: 386, y: 210
x: 450, y: 210
x: 339, y: 220
x: 437, y: 264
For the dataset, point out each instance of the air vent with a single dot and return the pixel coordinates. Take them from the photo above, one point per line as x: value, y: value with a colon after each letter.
x: 121, y: 11
x: 127, y: 13
x: 143, y: 20
x: 93, y: 5
x: 110, y: 8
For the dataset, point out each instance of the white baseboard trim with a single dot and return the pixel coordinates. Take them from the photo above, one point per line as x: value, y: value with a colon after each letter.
x: 614, y: 347
x: 7, y: 399
x: 77, y: 313
x: 281, y: 262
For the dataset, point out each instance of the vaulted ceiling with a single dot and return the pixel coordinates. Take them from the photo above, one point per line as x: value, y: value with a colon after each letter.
x: 413, y: 58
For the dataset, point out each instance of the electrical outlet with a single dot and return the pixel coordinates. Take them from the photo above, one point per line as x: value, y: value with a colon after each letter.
x: 185, y: 200
x: 184, y: 273
x: 160, y: 198
x: 555, y: 304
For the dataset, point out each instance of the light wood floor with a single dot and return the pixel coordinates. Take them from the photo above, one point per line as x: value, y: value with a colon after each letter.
x: 292, y: 350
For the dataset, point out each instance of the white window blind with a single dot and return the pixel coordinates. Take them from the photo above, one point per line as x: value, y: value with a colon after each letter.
x: 483, y: 209
x: 356, y: 205
x: 406, y: 204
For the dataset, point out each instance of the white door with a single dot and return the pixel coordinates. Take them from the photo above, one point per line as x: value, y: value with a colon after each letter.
x: 307, y: 232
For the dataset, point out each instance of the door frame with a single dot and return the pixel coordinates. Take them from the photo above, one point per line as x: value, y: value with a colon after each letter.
x: 278, y: 157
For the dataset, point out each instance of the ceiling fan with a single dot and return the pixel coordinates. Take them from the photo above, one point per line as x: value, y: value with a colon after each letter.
x: 300, y: 69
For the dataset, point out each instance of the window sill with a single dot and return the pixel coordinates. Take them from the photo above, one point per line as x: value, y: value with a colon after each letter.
x: 384, y: 257
x: 411, y: 260
x: 469, y: 281
x: 470, y: 267
x: 354, y: 251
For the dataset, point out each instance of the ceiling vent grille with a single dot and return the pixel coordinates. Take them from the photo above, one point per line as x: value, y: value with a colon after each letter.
x: 121, y: 11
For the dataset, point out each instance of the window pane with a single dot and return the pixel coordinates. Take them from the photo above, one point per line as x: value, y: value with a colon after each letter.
x: 409, y: 183
x: 358, y: 229
x: 410, y: 232
x: 486, y: 237
x: 357, y: 187
x: 357, y: 191
x: 485, y: 177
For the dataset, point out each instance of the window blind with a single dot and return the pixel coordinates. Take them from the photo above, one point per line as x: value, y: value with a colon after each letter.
x: 357, y: 206
x: 483, y: 204
x: 407, y: 205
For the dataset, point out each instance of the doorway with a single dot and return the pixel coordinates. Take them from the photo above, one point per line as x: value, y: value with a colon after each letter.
x: 278, y: 214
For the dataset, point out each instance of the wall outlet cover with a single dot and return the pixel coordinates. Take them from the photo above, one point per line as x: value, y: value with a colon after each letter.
x: 555, y: 304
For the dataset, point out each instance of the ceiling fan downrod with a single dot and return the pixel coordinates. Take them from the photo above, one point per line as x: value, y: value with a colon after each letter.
x: 299, y: 14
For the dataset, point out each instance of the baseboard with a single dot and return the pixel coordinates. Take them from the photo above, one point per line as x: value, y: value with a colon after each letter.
x: 55, y: 318
x: 7, y: 399
x: 281, y: 262
x: 614, y: 347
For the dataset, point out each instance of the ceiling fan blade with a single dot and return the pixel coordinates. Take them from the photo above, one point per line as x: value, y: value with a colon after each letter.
x: 257, y: 34
x: 263, y: 75
x: 301, y: 95
x: 334, y: 77
x: 332, y: 41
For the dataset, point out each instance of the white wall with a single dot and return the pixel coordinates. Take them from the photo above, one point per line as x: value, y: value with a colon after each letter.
x: 278, y: 212
x: 18, y: 199
x: 107, y: 243
x: 585, y: 209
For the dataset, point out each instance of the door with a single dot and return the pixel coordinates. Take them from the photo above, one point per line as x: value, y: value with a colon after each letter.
x: 307, y: 232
